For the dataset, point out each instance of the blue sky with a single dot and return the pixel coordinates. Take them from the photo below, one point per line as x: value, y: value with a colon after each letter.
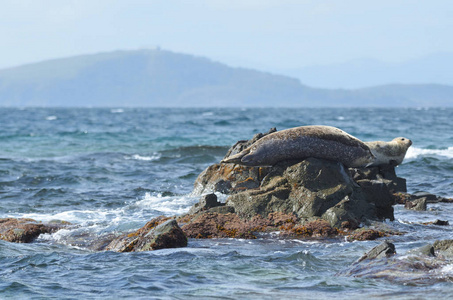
x: 273, y: 34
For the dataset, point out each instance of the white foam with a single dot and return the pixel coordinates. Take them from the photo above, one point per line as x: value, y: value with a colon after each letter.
x: 140, y: 210
x: 51, y: 118
x: 155, y: 156
x: 413, y: 152
x: 166, y: 205
x: 116, y: 110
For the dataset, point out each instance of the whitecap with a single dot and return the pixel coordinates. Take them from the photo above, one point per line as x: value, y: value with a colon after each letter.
x: 447, y: 270
x: 169, y: 205
x: 414, y: 152
x: 116, y: 110
x: 153, y: 157
x: 208, y: 113
x: 51, y: 118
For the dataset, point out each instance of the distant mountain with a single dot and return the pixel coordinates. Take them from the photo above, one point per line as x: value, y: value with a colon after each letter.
x: 433, y: 69
x: 165, y: 79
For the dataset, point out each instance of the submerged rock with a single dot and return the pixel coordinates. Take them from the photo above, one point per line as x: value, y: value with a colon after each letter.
x: 158, y: 233
x: 26, y: 230
x: 383, y: 250
x: 423, y: 265
x: 419, y: 204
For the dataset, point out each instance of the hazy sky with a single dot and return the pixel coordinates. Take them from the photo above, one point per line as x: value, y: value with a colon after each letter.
x: 276, y: 34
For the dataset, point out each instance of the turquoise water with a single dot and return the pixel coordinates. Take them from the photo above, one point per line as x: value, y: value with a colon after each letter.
x: 112, y: 170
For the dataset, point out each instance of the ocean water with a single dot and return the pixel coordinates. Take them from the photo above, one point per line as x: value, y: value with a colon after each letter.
x: 112, y: 170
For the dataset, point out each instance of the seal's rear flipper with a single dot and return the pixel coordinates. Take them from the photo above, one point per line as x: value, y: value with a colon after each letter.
x: 235, y: 159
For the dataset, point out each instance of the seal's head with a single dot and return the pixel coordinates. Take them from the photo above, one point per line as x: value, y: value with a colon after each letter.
x: 402, y: 142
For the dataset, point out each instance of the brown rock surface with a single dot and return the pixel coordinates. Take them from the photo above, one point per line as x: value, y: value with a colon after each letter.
x: 159, y: 233
x: 25, y: 230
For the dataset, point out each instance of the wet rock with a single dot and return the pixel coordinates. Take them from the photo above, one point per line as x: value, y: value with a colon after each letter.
x: 26, y: 230
x: 316, y: 229
x: 427, y: 250
x: 444, y: 248
x: 366, y: 235
x: 419, y: 204
x: 418, y: 266
x: 159, y: 233
x: 385, y: 173
x: 229, y: 178
x: 402, y: 198
x: 377, y: 192
x: 383, y: 250
x: 428, y: 196
x: 206, y: 202
x: 308, y: 189
x: 437, y: 222
x: 215, y: 225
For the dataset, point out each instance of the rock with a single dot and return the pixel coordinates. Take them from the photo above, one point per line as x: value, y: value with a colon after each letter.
x: 158, y: 233
x: 383, y: 250
x: 310, y: 189
x: 429, y: 197
x: 444, y: 248
x: 26, y: 230
x: 229, y: 179
x: 437, y: 222
x: 385, y: 173
x: 206, y: 202
x: 215, y: 225
x: 427, y: 250
x: 317, y: 228
x: 366, y: 235
x: 377, y: 192
x: 417, y: 204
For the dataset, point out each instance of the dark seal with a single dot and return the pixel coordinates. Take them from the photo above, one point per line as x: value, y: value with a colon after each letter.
x: 302, y: 142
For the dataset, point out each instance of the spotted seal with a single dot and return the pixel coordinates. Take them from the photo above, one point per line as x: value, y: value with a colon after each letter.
x: 389, y: 153
x: 302, y: 142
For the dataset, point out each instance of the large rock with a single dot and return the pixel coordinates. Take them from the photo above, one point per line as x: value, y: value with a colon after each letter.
x: 26, y: 230
x: 309, y: 188
x: 158, y: 233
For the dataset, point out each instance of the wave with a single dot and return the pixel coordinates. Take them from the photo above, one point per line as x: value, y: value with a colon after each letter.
x: 155, y: 156
x: 413, y: 152
x: 141, y: 210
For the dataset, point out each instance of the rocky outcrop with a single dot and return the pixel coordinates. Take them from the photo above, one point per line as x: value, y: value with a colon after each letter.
x: 158, y: 233
x: 26, y: 230
x: 309, y: 188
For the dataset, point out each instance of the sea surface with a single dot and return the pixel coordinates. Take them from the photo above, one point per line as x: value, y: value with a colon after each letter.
x: 112, y: 170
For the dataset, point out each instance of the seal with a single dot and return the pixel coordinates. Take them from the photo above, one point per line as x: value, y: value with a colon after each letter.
x: 389, y: 153
x: 302, y: 142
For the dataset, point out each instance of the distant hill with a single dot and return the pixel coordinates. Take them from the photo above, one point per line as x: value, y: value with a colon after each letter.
x: 165, y: 79
x: 433, y: 69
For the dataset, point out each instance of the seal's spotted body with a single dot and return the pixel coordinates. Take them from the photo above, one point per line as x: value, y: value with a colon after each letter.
x: 306, y: 141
